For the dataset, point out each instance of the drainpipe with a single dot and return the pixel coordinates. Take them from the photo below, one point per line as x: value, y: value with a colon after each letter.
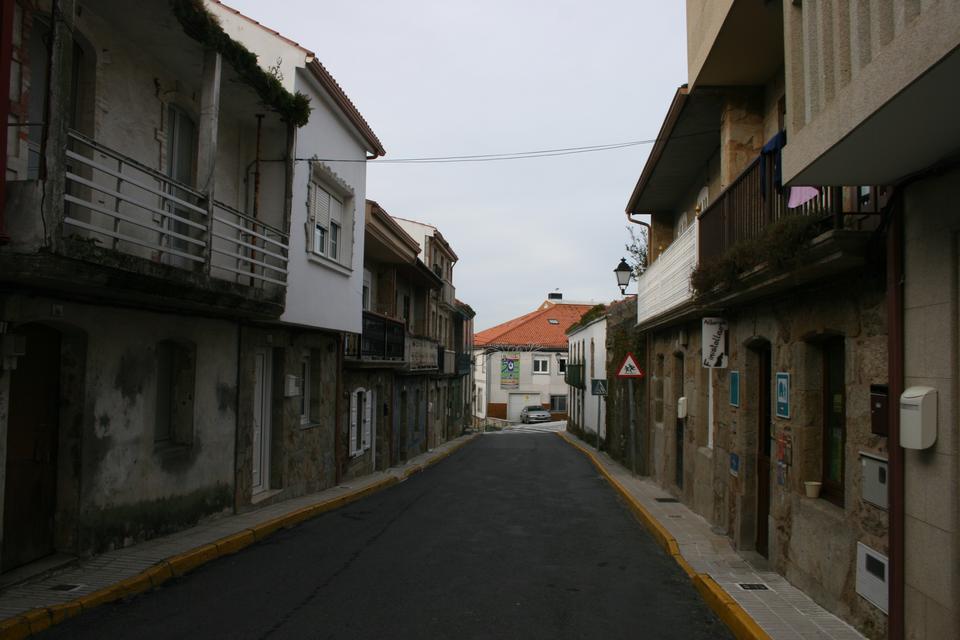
x: 895, y: 367
x: 6, y: 56
x: 646, y: 262
x: 338, y: 408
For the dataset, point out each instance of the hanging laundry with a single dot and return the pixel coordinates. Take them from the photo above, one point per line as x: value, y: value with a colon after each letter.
x: 801, y: 195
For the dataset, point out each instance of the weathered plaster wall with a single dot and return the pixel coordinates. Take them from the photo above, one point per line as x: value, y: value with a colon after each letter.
x: 116, y: 486
x: 932, y: 349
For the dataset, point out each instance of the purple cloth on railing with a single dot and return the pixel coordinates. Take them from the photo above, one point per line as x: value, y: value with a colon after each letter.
x: 772, y: 148
x: 801, y: 195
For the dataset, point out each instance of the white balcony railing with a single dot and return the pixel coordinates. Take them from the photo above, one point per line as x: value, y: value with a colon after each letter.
x: 665, y: 285
x: 115, y: 202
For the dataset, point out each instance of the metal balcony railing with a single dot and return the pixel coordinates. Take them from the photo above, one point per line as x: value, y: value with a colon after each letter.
x: 574, y: 375
x: 118, y: 203
x: 464, y: 362
x: 381, y: 339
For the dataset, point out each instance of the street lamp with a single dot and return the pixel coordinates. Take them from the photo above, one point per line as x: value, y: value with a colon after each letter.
x: 624, y: 273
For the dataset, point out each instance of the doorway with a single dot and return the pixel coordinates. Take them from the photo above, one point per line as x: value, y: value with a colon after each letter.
x: 33, y: 425
x: 678, y: 436
x: 764, y: 431
x: 263, y: 385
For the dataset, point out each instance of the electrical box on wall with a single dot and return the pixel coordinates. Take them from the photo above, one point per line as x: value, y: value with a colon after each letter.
x: 872, y: 575
x: 681, y: 408
x: 874, y: 485
x: 918, y: 418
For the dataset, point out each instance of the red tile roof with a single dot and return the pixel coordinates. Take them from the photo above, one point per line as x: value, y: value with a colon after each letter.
x: 535, y: 328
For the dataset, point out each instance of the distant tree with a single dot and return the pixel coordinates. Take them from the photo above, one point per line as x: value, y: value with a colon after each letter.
x: 637, y: 248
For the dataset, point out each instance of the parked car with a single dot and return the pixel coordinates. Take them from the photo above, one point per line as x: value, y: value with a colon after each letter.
x: 534, y: 413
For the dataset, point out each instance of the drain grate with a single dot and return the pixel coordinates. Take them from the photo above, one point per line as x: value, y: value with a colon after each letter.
x: 753, y: 586
x: 65, y: 587
x: 666, y: 500
x: 675, y: 516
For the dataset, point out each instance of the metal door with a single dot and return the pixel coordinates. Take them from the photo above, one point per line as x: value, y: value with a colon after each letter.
x: 30, y: 496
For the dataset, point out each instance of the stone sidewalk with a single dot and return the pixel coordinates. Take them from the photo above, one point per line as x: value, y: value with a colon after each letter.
x: 776, y: 609
x: 34, y: 605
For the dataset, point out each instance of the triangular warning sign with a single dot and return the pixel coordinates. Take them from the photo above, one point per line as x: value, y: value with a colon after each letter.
x: 630, y: 368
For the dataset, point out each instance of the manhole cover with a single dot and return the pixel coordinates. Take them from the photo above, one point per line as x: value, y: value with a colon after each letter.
x: 753, y: 586
x: 666, y: 500
x: 65, y: 587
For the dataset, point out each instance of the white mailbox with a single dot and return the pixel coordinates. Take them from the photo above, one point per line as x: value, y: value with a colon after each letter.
x: 681, y: 408
x: 918, y: 418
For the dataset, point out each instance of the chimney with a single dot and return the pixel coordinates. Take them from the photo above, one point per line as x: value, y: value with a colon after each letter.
x: 556, y: 295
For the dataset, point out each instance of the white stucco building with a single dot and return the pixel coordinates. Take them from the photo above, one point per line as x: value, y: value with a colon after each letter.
x: 587, y: 349
x: 522, y: 362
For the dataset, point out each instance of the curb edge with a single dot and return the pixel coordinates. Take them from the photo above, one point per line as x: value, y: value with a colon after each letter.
x: 727, y: 609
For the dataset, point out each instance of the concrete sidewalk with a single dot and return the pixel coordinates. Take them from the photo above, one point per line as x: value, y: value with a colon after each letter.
x: 778, y: 611
x: 35, y: 605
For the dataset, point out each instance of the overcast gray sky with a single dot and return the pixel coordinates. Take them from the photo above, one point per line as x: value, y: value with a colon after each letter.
x: 457, y: 77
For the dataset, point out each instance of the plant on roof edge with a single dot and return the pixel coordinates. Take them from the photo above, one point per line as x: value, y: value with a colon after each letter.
x: 594, y: 312
x: 203, y: 26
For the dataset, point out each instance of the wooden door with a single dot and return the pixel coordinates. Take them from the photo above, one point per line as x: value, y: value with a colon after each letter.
x: 764, y: 430
x: 30, y: 496
x: 263, y: 384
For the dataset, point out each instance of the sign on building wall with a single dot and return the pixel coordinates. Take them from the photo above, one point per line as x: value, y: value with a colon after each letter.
x: 598, y: 387
x: 510, y: 371
x: 714, y: 342
x: 735, y: 388
x: 783, y: 394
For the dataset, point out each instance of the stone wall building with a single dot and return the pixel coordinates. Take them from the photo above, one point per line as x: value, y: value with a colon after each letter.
x: 764, y: 316
x: 821, y: 303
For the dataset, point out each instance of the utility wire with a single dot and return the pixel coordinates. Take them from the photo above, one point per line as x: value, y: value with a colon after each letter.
x: 514, y: 155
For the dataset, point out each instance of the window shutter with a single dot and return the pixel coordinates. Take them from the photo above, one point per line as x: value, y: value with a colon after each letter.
x: 321, y: 217
x: 336, y: 210
x: 353, y: 421
x: 368, y: 420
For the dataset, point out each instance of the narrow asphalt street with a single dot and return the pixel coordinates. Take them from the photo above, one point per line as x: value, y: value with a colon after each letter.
x: 514, y: 536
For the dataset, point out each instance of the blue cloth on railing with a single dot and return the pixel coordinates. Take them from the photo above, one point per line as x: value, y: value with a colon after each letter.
x: 773, y: 148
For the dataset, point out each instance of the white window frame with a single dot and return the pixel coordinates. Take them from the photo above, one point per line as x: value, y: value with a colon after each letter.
x: 561, y: 365
x: 361, y: 425
x: 305, y: 389
x: 544, y: 361
x: 553, y: 403
x: 330, y: 219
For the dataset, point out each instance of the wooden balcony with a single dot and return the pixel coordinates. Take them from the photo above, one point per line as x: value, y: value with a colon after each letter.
x: 752, y: 203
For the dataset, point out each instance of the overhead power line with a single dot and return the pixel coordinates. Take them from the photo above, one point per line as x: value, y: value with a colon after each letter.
x: 513, y: 155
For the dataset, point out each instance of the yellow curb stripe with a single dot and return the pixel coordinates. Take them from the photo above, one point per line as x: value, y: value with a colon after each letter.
x: 36, y: 620
x: 727, y: 609
x: 61, y: 612
x: 14, y: 628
